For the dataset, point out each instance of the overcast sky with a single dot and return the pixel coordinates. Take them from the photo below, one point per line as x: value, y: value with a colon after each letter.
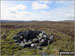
x: 37, y: 10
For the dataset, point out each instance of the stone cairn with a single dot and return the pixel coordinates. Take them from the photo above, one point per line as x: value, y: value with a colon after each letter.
x: 30, y: 39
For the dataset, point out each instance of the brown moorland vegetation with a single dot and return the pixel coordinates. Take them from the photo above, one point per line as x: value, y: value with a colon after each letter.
x: 63, y: 33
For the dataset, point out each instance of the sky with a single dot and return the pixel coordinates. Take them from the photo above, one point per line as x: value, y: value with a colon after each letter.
x: 40, y: 10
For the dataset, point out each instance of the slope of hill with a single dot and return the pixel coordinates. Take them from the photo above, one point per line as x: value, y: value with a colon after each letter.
x: 63, y: 33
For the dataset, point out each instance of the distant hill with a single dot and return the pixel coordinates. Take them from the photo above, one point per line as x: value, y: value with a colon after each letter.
x: 10, y: 21
x: 68, y: 21
x: 36, y: 21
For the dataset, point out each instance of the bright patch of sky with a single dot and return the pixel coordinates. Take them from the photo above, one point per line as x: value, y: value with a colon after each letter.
x: 37, y: 10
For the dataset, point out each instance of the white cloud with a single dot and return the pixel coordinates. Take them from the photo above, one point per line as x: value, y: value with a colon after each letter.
x: 37, y: 6
x: 17, y: 8
x: 45, y: 1
x: 10, y: 11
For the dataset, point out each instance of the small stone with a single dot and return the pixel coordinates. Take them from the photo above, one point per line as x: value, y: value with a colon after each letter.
x: 40, y: 34
x: 44, y: 36
x: 21, y: 36
x: 34, y: 40
x: 32, y: 45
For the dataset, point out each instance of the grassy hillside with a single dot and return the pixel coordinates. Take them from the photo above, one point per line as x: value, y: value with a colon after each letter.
x: 63, y: 37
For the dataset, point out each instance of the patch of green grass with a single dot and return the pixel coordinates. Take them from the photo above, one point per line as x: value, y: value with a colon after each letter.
x: 61, y: 41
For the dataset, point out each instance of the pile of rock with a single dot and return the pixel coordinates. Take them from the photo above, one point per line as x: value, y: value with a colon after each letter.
x: 32, y: 38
